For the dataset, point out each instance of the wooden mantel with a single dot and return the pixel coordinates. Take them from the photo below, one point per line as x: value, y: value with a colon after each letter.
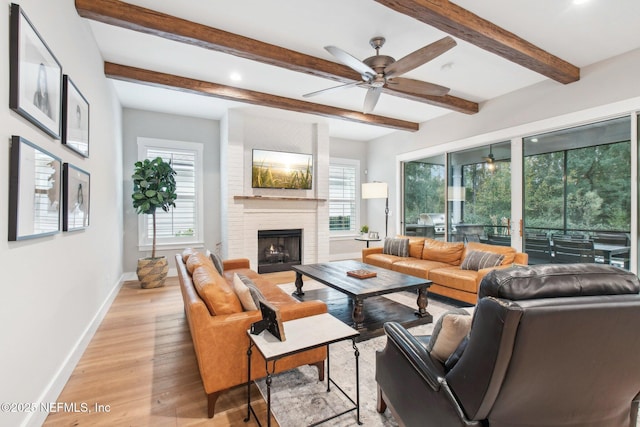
x: 278, y: 198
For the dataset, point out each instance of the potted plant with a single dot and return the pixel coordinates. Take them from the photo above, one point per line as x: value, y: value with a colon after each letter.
x: 154, y: 186
x: 364, y: 230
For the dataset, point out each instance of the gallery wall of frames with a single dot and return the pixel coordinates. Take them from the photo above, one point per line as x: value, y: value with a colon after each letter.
x: 47, y: 193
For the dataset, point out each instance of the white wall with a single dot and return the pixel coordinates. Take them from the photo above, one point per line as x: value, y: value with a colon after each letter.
x: 55, y: 289
x: 605, y: 89
x: 138, y: 123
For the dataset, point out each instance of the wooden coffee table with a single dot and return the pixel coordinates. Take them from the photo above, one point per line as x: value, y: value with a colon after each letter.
x: 367, y: 319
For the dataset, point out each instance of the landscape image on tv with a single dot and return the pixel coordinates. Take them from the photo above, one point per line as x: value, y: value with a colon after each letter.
x: 278, y: 169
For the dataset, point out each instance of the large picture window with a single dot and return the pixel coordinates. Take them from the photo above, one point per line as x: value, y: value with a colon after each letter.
x: 184, y: 223
x: 343, y: 196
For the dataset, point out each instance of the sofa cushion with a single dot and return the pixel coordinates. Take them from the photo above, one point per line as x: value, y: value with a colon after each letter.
x: 417, y: 267
x: 448, y: 332
x: 476, y: 260
x: 456, y: 278
x: 383, y: 260
x: 395, y: 246
x: 449, y: 252
x: 197, y: 259
x: 244, y: 294
x: 214, y: 290
x: 508, y: 252
x: 187, y: 253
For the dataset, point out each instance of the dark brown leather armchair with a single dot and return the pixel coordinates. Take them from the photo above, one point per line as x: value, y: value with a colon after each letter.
x: 550, y: 345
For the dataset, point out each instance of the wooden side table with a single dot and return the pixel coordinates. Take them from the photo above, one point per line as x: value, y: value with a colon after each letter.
x: 301, y: 335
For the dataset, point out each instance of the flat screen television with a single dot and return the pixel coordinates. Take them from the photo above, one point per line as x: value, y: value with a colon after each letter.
x: 279, y: 169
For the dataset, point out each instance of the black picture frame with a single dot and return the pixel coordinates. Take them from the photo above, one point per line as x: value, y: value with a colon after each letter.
x: 34, y: 191
x: 35, y: 75
x: 271, y: 316
x: 75, y: 118
x: 76, y: 198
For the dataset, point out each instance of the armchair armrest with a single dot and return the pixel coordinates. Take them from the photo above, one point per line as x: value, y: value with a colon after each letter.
x: 416, y: 354
x: 235, y: 263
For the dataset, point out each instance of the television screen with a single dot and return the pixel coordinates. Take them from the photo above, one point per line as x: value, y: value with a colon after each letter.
x: 278, y: 169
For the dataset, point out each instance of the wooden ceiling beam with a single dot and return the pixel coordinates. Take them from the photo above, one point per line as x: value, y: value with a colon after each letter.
x: 465, y: 25
x: 136, y: 18
x: 200, y: 87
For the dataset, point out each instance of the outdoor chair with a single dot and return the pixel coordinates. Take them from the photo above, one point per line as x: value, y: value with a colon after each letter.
x: 549, y: 345
x: 495, y: 239
x: 569, y: 251
x: 538, y: 247
x: 471, y: 238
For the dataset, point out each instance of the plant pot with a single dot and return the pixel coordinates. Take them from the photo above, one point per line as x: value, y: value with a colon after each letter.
x: 152, y: 272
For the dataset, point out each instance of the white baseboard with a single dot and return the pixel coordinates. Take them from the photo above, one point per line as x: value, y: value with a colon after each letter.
x: 59, y: 380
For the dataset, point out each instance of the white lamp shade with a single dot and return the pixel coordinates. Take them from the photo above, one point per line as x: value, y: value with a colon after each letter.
x: 375, y: 190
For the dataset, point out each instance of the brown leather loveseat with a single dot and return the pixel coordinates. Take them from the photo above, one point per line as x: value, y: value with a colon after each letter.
x: 442, y: 263
x: 220, y: 339
x: 549, y: 345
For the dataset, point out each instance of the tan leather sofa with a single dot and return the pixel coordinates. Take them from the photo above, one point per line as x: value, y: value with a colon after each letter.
x: 440, y: 262
x: 221, y: 341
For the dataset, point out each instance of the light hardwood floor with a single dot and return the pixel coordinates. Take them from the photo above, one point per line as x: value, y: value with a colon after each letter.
x: 140, y: 365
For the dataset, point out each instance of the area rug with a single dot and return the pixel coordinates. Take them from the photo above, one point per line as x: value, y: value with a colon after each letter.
x: 299, y: 399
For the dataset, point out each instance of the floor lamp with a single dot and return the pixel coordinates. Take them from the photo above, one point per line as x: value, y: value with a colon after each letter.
x: 378, y: 190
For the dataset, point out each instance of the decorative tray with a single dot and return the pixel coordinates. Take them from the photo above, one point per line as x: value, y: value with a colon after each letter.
x: 362, y: 274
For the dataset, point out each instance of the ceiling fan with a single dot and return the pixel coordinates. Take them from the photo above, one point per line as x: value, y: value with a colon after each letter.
x: 381, y: 71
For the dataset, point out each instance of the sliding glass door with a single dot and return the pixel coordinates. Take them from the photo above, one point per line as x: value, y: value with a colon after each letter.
x: 423, y: 197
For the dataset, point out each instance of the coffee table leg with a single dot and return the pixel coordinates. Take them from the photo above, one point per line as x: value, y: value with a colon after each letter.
x: 422, y: 302
x: 358, y: 313
x: 298, y: 292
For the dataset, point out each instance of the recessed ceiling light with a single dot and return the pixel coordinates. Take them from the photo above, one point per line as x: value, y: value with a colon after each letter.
x: 534, y: 139
x: 236, y: 77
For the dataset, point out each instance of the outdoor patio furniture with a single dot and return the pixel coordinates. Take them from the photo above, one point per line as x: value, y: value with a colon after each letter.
x: 567, y: 251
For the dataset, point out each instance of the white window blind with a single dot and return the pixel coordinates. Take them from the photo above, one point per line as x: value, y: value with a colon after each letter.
x: 343, y: 196
x: 182, y: 224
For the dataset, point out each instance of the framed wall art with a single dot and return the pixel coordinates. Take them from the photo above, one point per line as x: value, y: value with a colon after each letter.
x: 75, y: 198
x: 34, y: 191
x: 75, y: 118
x: 35, y: 75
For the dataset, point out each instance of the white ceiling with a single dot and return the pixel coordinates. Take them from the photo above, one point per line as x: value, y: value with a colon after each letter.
x: 581, y: 34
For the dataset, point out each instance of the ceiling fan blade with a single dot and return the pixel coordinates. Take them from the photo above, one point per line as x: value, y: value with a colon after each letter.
x: 351, y: 61
x: 417, y: 87
x: 370, y: 101
x: 344, y: 86
x: 419, y: 57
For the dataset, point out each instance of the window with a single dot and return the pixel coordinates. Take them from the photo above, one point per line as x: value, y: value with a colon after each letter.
x: 344, y: 183
x: 184, y: 223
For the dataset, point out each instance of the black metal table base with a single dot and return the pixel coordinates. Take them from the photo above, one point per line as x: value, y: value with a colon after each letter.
x: 356, y: 403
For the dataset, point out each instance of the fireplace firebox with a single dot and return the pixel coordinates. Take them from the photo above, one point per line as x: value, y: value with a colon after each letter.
x: 278, y: 250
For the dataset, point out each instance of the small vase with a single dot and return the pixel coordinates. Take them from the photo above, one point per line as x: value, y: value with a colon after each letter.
x: 152, y: 272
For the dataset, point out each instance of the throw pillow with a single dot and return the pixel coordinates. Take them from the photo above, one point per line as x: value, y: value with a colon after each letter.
x: 187, y: 253
x: 244, y: 294
x: 256, y: 293
x: 398, y: 247
x: 448, y: 332
x: 477, y: 260
x: 217, y: 261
